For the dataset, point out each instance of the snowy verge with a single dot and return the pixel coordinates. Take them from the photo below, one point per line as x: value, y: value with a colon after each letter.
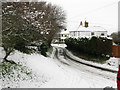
x: 39, y: 66
x: 112, y: 62
x: 59, y: 45
x: 44, y: 72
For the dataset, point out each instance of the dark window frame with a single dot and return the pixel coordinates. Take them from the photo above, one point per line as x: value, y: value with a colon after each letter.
x: 92, y: 33
x: 102, y: 34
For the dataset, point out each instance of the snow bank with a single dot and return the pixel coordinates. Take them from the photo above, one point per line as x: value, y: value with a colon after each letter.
x: 33, y: 81
x: 59, y: 45
x: 110, y: 64
x: 43, y: 69
x: 2, y: 54
x: 38, y: 64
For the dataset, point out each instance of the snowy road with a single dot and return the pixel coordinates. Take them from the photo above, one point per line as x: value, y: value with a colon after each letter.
x: 78, y: 72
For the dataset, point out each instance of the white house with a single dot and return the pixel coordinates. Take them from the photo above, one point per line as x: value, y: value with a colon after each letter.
x: 88, y: 31
x: 64, y: 35
x: 82, y: 32
x: 61, y: 36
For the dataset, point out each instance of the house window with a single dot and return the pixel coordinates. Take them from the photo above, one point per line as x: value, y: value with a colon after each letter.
x: 59, y: 35
x: 61, y: 40
x: 78, y: 33
x: 92, y: 33
x: 102, y: 34
x: 74, y: 33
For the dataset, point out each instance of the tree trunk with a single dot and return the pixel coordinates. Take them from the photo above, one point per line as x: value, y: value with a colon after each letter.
x: 7, y: 54
x: 5, y: 58
x: 49, y: 42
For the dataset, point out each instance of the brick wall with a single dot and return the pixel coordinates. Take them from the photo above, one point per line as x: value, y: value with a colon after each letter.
x: 116, y: 51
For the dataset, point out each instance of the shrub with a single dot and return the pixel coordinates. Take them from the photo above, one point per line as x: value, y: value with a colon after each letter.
x: 97, y: 47
x: 43, y: 48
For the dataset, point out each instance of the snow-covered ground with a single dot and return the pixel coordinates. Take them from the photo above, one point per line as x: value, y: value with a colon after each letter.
x: 48, y: 72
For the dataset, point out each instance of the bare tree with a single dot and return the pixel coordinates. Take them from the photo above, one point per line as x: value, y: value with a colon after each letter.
x: 26, y: 23
x: 48, y: 18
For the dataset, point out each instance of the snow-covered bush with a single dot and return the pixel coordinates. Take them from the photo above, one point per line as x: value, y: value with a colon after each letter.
x: 14, y: 71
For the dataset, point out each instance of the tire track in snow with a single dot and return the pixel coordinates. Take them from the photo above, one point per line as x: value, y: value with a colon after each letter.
x: 80, y: 75
x: 91, y: 70
x: 69, y: 74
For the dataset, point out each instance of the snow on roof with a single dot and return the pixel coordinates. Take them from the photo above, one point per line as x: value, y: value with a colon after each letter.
x: 106, y: 37
x: 114, y: 43
x: 91, y: 29
x: 64, y: 32
x: 109, y: 38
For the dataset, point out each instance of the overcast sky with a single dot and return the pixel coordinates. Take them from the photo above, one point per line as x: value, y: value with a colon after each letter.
x: 97, y: 12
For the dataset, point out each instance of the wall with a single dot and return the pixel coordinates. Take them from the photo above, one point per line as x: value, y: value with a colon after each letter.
x: 98, y: 33
x: 116, y: 51
x: 85, y: 34
x: 77, y: 34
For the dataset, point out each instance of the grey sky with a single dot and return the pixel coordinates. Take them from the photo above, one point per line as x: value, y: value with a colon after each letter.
x: 97, y: 12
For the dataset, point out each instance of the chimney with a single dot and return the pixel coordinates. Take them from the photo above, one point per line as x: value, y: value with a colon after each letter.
x: 86, y: 24
x: 81, y: 23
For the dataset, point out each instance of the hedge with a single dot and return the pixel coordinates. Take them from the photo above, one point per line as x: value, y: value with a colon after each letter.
x: 101, y: 47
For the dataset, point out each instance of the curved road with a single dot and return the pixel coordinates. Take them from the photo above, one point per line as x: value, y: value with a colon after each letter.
x: 66, y: 60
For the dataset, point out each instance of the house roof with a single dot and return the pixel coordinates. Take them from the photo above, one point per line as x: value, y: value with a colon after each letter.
x: 91, y: 29
x: 64, y: 32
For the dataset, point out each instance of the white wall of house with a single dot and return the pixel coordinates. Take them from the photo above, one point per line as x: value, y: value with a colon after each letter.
x: 88, y: 32
x: 101, y: 33
x: 63, y: 35
x: 79, y: 34
x: 85, y: 34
